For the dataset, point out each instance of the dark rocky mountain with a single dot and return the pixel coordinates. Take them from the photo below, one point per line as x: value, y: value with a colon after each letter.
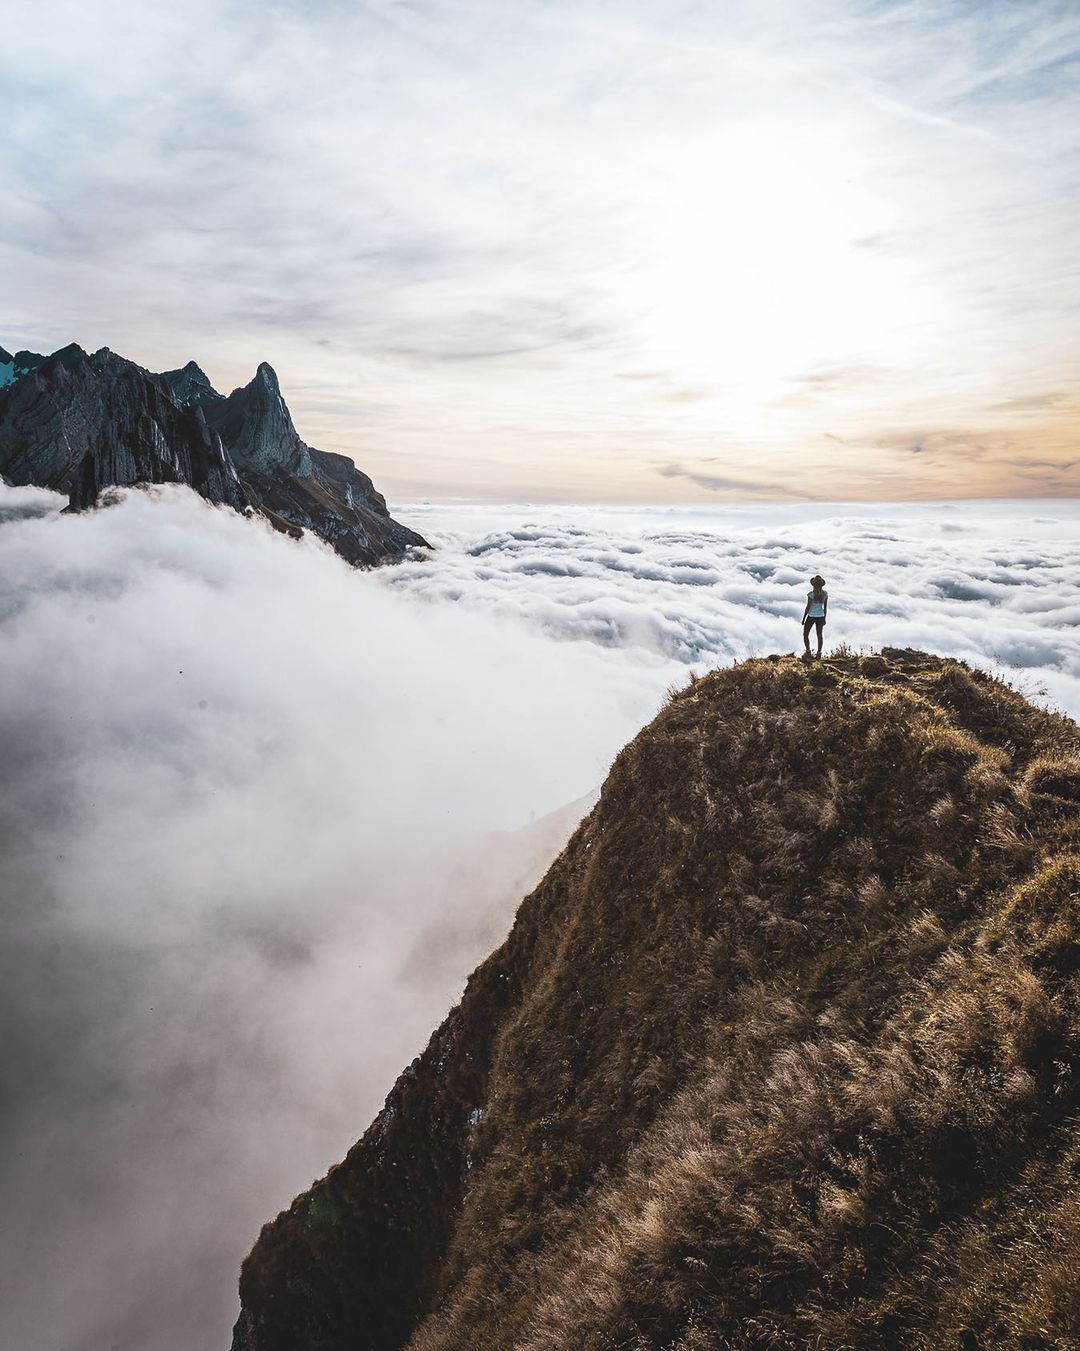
x: 81, y: 423
x: 782, y: 1053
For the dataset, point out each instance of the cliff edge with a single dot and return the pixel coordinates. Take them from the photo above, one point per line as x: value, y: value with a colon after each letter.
x: 781, y: 1053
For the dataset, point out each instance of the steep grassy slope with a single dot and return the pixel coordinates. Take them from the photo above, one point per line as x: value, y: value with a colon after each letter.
x: 781, y: 1053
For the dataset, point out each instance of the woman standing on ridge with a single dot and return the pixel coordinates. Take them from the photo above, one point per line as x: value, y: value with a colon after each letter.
x: 817, y: 605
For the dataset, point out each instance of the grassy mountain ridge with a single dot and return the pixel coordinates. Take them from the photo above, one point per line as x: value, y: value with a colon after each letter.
x: 782, y: 1052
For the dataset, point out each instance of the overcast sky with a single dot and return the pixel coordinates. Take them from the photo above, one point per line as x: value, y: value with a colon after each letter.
x: 574, y: 249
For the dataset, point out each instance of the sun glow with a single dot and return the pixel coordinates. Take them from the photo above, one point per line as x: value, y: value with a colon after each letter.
x: 765, y: 269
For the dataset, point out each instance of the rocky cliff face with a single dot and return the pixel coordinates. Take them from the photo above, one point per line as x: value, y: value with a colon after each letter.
x: 80, y: 423
x: 783, y: 1052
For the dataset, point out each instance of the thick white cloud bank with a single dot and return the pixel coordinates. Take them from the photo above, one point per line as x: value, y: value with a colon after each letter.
x: 997, y: 584
x: 260, y: 814
x: 254, y: 816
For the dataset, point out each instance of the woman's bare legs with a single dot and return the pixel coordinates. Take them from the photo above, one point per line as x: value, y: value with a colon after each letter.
x: 807, y: 625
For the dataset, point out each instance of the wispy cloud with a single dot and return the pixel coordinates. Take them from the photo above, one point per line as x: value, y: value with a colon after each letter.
x: 722, y: 483
x: 453, y: 226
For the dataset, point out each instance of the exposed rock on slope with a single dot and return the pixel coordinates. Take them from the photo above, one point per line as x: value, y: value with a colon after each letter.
x: 190, y: 386
x: 80, y: 423
x: 781, y: 1053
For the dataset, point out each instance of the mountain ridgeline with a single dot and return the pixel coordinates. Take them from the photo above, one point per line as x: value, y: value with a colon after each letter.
x: 82, y: 423
x: 782, y: 1053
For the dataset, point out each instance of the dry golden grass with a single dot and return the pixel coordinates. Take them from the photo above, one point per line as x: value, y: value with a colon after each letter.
x: 781, y: 1054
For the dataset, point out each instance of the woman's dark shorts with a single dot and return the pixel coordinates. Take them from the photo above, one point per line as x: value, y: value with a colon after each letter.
x: 808, y: 624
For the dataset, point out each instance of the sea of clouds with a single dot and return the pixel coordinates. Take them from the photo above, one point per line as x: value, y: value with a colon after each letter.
x: 261, y: 813
x: 995, y: 583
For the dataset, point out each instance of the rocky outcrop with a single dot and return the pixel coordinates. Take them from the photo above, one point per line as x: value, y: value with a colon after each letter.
x: 13, y: 367
x: 784, y: 1052
x: 190, y: 385
x: 255, y: 424
x: 80, y: 423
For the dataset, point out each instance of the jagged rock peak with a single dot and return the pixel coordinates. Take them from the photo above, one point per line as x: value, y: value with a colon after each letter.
x: 72, y: 355
x: 30, y: 360
x: 6, y: 357
x: 80, y: 424
x: 191, y: 385
x: 255, y: 423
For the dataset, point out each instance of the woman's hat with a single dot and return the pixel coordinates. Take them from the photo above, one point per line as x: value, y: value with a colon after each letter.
x: 817, y: 581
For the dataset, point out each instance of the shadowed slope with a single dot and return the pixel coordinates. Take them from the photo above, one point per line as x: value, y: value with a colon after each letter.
x: 781, y: 1053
